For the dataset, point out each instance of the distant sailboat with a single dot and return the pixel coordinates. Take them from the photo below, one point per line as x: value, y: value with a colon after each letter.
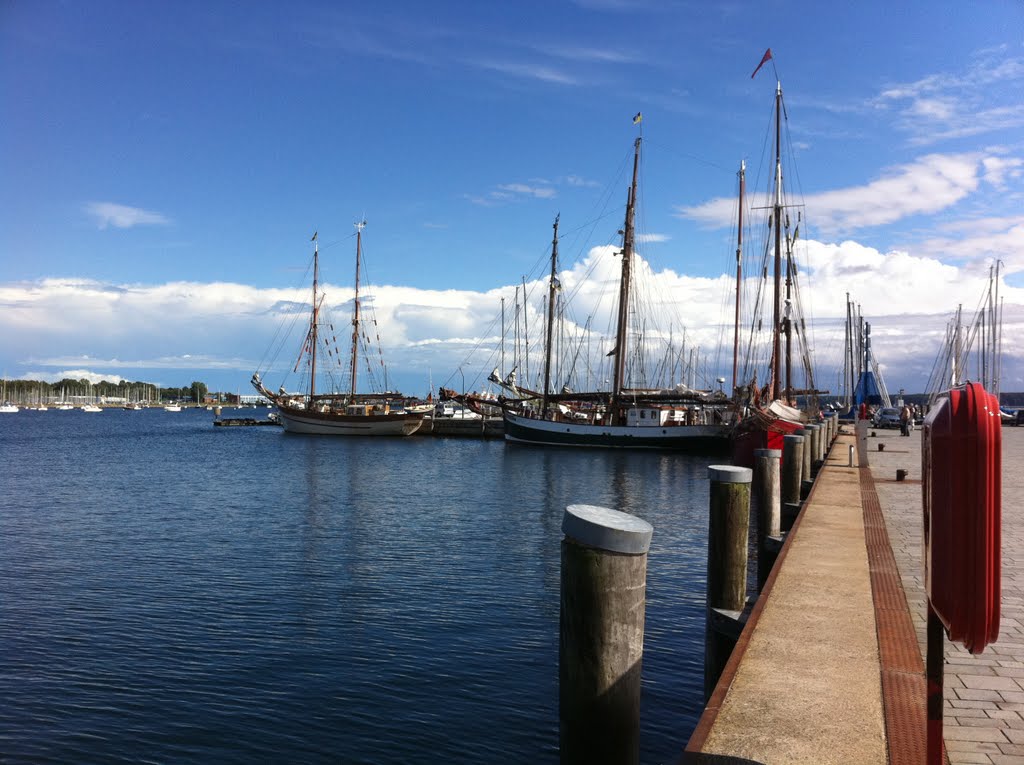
x: 6, y: 407
x: 340, y: 413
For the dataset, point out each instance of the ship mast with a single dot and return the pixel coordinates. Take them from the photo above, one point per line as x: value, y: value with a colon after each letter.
x: 739, y: 277
x: 315, y: 319
x: 777, y: 222
x: 355, y: 310
x: 623, y: 319
x: 552, y: 286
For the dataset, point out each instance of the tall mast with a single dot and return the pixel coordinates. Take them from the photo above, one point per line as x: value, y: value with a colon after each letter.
x: 776, y: 317
x: 739, y: 277
x: 526, y: 337
x: 355, y: 309
x: 627, y: 262
x: 848, y: 366
x: 314, y: 319
x: 502, y: 375
x: 787, y: 315
x: 997, y: 337
x: 551, y: 318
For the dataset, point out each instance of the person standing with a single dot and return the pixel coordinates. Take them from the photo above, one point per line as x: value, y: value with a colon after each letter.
x: 905, y: 420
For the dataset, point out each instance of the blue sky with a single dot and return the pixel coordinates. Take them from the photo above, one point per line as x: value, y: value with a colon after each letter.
x: 166, y: 164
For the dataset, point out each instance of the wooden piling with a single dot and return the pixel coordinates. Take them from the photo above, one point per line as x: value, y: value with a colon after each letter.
x: 604, y: 571
x: 728, y: 533
x: 792, y: 465
x: 765, y: 491
x: 813, y: 445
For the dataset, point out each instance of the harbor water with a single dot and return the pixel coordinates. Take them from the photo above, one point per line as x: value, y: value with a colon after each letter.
x: 175, y: 592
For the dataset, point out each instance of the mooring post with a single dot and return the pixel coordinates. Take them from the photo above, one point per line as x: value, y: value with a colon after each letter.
x: 728, y: 535
x: 793, y: 449
x: 601, y: 638
x: 812, y: 443
x: 769, y: 510
x: 806, y: 481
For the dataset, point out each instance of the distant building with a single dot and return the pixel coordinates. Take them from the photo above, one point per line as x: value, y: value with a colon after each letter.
x: 253, y: 398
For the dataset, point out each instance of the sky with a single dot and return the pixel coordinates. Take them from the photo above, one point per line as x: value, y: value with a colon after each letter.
x: 165, y: 166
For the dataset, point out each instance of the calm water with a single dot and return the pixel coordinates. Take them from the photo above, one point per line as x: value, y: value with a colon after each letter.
x: 171, y: 591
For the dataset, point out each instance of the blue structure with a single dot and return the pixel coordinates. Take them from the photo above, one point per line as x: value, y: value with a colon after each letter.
x: 867, y: 390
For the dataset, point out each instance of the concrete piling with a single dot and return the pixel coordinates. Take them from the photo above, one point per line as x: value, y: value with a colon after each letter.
x: 728, y: 533
x: 604, y: 573
x: 765, y: 491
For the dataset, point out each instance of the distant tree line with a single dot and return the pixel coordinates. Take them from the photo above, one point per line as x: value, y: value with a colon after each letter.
x: 31, y: 391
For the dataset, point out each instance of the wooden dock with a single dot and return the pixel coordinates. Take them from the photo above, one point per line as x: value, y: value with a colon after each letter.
x: 829, y: 667
x: 456, y: 427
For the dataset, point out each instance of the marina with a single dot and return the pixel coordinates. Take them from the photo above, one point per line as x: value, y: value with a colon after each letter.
x: 450, y: 384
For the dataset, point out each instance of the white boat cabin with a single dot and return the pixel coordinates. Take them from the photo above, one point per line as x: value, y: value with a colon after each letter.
x: 659, y: 416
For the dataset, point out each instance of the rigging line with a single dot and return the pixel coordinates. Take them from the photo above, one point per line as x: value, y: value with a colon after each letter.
x: 283, y: 332
x: 671, y: 150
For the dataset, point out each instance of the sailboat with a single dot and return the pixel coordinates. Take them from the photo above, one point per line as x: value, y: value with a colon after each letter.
x: 622, y: 417
x: 6, y: 407
x: 340, y: 413
x: 768, y: 414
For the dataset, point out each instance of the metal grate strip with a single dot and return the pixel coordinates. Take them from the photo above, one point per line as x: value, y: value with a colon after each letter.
x: 903, y: 681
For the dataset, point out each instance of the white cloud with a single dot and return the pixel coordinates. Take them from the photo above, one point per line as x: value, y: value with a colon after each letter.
x: 644, y: 238
x: 928, y: 185
x: 981, y: 98
x: 121, y: 216
x: 539, y: 192
x: 175, y: 329
x: 999, y: 169
x: 530, y: 71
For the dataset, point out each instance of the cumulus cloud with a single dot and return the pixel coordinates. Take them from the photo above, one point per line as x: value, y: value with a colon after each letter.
x: 173, y: 330
x: 121, y: 216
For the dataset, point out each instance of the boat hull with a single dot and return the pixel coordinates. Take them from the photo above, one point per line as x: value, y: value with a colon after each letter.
x: 332, y: 424
x: 697, y: 439
x: 759, y: 433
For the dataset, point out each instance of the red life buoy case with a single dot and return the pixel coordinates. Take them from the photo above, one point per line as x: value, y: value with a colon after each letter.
x: 961, y: 466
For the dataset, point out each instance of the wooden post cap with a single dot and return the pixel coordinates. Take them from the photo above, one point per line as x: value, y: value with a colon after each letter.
x: 730, y: 474
x: 606, y: 529
x: 773, y: 453
x: 792, y: 439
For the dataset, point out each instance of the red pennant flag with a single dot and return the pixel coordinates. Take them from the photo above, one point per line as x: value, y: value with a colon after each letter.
x: 767, y: 55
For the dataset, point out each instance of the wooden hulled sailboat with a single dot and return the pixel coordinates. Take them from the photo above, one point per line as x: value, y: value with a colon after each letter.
x: 769, y: 413
x: 340, y: 413
x: 622, y: 417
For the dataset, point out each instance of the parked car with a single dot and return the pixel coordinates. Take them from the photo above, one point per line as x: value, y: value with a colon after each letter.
x: 887, y: 417
x: 1018, y: 417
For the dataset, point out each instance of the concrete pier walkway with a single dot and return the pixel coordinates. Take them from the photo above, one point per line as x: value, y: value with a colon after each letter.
x: 829, y: 668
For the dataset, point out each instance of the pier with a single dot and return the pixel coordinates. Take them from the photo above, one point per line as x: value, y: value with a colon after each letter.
x: 829, y: 667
